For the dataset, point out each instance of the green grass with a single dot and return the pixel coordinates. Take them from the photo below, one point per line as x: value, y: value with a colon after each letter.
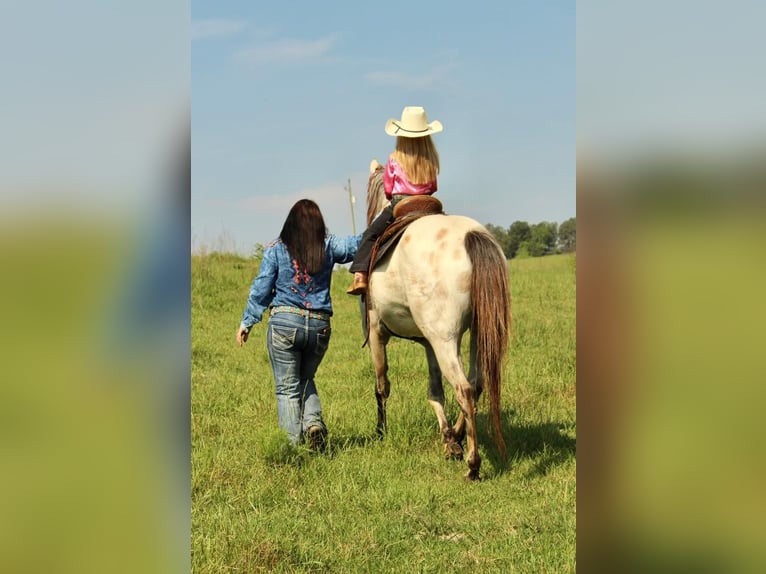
x: 391, y: 505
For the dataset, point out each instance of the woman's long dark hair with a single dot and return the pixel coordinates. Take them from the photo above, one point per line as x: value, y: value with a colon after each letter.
x: 303, y: 234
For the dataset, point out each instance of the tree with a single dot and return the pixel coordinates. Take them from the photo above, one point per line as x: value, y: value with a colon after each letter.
x: 568, y: 235
x: 518, y: 233
x: 543, y: 240
x: 502, y: 238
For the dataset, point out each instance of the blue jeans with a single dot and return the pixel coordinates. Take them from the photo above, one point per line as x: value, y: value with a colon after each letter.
x: 296, y: 347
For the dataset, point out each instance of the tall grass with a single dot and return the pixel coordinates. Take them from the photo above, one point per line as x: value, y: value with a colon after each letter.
x: 391, y: 505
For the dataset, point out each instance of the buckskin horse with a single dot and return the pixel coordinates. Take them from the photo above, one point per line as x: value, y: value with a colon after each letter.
x: 446, y: 274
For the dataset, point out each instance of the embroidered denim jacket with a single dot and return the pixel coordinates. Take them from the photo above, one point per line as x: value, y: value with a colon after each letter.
x: 281, y: 282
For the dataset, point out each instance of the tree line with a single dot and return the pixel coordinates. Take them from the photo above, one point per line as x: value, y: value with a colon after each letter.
x: 520, y: 240
x: 546, y: 238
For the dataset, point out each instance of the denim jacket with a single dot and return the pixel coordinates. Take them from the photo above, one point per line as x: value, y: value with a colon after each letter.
x: 281, y: 282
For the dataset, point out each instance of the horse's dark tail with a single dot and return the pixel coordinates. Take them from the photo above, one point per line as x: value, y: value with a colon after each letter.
x: 490, y: 316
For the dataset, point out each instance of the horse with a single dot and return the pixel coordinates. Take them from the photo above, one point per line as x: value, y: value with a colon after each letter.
x: 447, y: 274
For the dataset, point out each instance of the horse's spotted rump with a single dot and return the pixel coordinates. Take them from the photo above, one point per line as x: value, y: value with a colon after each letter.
x: 440, y: 291
x: 441, y: 233
x: 464, y: 282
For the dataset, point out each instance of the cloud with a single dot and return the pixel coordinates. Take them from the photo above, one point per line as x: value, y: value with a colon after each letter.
x: 287, y: 50
x: 259, y: 218
x: 215, y: 28
x: 327, y: 196
x: 436, y: 78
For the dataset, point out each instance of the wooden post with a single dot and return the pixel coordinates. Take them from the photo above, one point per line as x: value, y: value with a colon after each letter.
x: 351, y: 202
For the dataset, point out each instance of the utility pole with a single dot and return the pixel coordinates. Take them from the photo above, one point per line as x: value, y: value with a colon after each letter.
x: 351, y: 201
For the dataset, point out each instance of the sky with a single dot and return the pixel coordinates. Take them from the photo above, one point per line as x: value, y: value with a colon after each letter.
x: 660, y: 77
x: 289, y: 101
x: 95, y: 96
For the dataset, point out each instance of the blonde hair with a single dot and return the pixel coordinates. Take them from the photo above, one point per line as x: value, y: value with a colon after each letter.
x: 418, y: 158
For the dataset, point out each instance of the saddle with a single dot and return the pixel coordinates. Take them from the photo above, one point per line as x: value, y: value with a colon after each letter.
x: 406, y: 211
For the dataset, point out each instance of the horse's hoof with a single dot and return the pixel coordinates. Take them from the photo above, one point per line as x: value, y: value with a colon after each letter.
x: 472, y: 475
x: 453, y: 451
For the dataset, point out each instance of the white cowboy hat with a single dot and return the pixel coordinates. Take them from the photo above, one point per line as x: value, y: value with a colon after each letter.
x: 414, y: 124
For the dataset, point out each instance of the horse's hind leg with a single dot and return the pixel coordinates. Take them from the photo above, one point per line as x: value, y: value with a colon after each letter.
x: 450, y: 364
x: 475, y: 379
x: 452, y: 448
x: 377, y: 344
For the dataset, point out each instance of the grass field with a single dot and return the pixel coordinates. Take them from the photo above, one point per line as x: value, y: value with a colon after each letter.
x: 391, y: 505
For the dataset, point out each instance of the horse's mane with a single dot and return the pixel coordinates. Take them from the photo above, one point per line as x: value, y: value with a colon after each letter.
x: 376, y: 195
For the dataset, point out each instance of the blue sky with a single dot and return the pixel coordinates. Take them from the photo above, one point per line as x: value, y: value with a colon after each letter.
x: 660, y: 77
x: 94, y: 96
x: 289, y: 100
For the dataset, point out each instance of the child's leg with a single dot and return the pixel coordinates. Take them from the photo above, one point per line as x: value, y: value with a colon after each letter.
x: 361, y: 262
x: 364, y: 251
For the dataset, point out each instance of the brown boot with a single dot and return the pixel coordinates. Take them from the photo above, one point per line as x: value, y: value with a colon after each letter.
x: 359, y: 285
x: 317, y: 438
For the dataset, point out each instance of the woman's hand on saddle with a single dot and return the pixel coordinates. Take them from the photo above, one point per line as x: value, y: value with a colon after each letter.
x: 242, y: 335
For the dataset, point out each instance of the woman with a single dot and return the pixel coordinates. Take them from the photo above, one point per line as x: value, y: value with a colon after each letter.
x: 294, y: 282
x: 411, y: 169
